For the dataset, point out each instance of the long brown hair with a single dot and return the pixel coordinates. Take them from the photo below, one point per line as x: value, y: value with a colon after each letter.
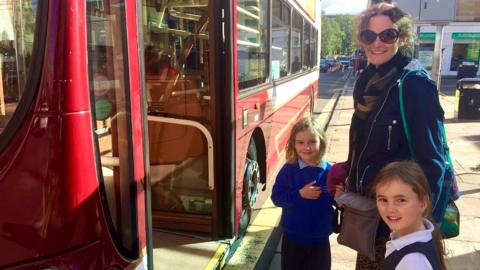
x: 412, y: 174
x: 400, y: 18
x: 306, y: 123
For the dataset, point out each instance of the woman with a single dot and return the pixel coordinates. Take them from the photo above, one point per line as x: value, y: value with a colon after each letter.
x: 376, y: 132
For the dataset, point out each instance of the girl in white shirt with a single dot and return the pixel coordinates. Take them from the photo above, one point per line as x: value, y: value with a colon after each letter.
x: 403, y: 201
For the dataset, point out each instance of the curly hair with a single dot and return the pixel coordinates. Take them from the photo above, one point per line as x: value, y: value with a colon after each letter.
x: 400, y: 18
x: 306, y: 123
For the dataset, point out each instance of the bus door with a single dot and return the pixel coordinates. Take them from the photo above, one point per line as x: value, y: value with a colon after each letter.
x: 176, y: 46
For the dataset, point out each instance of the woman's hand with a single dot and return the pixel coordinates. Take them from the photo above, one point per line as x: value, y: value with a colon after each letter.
x: 310, y: 191
x: 339, y: 190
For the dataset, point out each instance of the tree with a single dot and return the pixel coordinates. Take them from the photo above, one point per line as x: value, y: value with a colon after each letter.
x: 331, y: 37
x: 337, y: 35
x: 346, y: 24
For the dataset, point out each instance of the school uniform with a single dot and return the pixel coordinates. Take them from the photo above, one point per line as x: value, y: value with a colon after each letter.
x: 416, y: 250
x: 307, y: 224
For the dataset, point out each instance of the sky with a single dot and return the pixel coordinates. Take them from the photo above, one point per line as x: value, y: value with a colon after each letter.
x: 353, y: 7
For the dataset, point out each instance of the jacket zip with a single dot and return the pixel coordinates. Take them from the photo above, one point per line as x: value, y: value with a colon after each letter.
x: 363, y: 177
x: 389, y: 136
x: 368, y: 139
x: 390, y: 128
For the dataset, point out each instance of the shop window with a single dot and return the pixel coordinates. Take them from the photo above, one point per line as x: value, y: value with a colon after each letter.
x: 464, y: 50
x: 425, y: 54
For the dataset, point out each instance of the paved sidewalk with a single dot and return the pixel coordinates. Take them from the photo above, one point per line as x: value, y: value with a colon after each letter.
x: 464, y: 141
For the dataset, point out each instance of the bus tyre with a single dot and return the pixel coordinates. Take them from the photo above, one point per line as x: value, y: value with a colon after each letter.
x: 251, y: 181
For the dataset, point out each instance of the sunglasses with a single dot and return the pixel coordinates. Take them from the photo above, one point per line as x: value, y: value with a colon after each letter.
x: 388, y: 36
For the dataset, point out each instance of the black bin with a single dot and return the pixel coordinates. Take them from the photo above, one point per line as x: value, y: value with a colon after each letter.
x: 467, y: 69
x: 467, y: 99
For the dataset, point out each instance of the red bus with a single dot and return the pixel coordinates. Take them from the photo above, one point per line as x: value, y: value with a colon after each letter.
x: 128, y: 127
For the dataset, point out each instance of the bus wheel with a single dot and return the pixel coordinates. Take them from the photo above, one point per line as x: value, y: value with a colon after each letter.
x: 251, y: 181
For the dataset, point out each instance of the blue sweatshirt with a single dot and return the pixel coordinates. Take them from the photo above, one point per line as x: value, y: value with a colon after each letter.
x: 304, y: 221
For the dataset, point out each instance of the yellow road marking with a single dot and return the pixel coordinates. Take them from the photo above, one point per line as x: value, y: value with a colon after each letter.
x: 218, y: 260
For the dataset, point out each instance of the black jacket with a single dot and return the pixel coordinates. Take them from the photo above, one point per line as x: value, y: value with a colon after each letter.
x: 385, y: 141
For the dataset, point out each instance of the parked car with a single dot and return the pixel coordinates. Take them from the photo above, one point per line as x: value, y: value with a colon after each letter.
x: 324, y: 66
x: 330, y: 62
x: 344, y: 60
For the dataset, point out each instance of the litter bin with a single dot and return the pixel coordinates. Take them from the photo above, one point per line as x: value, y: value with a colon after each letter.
x: 467, y: 99
x: 467, y: 69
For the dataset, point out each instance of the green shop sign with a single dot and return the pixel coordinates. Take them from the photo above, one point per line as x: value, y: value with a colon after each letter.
x: 427, y: 35
x: 465, y: 35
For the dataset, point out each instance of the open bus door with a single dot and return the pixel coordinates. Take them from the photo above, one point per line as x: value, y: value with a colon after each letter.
x: 179, y: 56
x: 178, y: 97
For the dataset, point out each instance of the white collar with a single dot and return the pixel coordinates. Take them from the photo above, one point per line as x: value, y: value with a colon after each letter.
x: 398, y: 243
x: 302, y: 164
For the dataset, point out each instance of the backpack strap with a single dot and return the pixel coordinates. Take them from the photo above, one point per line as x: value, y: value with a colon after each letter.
x: 426, y: 248
x: 402, y: 112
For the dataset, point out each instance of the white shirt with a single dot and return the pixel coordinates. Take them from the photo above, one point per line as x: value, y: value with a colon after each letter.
x: 302, y: 164
x: 415, y: 260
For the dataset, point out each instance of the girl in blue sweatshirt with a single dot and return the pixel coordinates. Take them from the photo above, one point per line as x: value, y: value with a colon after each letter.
x: 307, y: 208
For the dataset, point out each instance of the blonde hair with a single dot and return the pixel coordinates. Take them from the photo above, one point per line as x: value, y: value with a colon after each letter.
x: 411, y: 173
x: 306, y: 123
x: 400, y: 18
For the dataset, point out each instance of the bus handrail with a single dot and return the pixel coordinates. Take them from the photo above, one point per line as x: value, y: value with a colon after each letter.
x: 203, y: 129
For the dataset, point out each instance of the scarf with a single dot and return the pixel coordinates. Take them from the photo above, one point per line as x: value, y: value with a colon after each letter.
x: 374, y: 81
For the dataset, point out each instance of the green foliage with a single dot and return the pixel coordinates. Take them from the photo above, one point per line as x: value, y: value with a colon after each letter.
x: 337, y: 35
x: 331, y: 37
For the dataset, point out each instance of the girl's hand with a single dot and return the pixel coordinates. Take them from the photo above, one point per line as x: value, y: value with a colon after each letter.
x: 310, y: 191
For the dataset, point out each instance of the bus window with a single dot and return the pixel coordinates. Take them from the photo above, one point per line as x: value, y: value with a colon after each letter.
x: 297, y: 42
x: 313, y: 47
x: 178, y: 87
x: 252, y: 31
x: 280, y: 39
x: 108, y: 82
x: 17, y: 33
x: 307, y: 57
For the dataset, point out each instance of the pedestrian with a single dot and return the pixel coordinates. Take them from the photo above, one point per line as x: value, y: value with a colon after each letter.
x: 403, y: 201
x: 300, y: 190
x: 376, y: 135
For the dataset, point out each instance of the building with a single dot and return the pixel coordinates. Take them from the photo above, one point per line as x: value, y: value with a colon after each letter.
x: 461, y: 41
x: 461, y: 35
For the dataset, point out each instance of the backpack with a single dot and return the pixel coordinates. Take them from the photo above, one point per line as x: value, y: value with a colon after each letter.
x: 445, y: 212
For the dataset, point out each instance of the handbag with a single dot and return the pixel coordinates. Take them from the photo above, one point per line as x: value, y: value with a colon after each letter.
x: 449, y: 220
x: 336, y: 176
x: 360, y: 223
